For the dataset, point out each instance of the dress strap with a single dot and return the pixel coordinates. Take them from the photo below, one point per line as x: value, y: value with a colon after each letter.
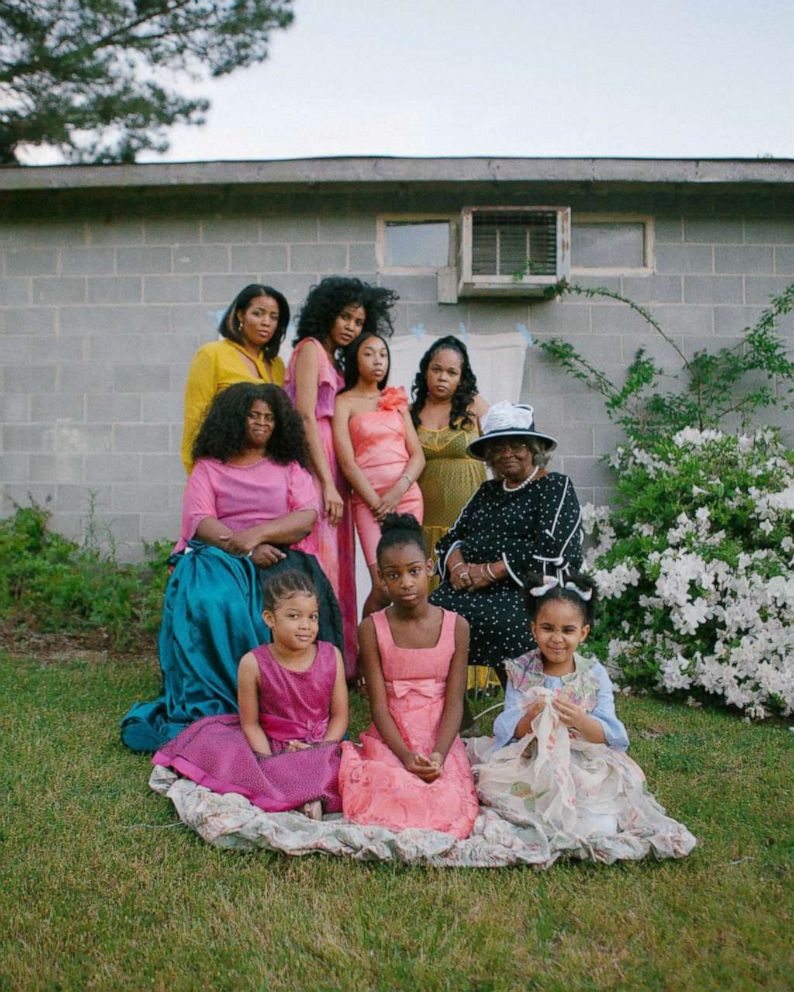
x: 382, y: 632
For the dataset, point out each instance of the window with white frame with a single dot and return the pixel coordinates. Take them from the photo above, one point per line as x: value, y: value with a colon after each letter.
x: 611, y: 243
x: 410, y: 244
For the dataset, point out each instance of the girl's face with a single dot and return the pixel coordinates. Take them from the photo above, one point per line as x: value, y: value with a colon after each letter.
x: 258, y: 322
x: 347, y: 325
x: 559, y: 628
x: 373, y: 360
x: 443, y: 374
x: 259, y: 425
x: 294, y: 622
x: 405, y: 573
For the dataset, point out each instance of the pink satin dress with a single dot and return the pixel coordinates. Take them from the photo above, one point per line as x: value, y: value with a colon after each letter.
x: 378, y: 439
x: 215, y: 753
x: 375, y: 786
x: 333, y: 546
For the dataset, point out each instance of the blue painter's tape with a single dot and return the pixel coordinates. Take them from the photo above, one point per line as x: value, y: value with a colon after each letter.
x: 523, y: 330
x: 418, y: 331
x: 464, y: 334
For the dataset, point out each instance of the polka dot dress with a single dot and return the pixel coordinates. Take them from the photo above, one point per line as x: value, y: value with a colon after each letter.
x: 533, y: 528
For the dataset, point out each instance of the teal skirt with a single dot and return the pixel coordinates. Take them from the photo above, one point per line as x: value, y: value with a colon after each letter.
x: 212, y: 616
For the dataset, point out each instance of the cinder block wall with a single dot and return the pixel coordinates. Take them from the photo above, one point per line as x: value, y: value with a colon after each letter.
x: 104, y: 299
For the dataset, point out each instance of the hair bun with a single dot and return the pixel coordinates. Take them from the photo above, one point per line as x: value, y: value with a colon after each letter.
x: 400, y: 521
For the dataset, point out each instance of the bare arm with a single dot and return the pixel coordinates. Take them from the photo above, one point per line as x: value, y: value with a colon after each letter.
x: 413, y: 469
x: 346, y: 455
x: 248, y: 703
x: 339, y: 704
x: 453, y: 697
x: 307, y: 375
x: 287, y: 529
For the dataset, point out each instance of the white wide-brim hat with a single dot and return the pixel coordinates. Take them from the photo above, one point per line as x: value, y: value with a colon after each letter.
x: 508, y: 420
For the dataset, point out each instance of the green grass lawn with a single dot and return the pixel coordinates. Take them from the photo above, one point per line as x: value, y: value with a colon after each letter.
x: 103, y: 888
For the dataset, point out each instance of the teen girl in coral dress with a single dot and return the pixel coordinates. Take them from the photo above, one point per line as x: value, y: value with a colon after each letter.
x: 410, y: 769
x: 378, y: 450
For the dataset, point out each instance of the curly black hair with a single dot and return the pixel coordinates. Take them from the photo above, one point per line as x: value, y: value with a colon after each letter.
x: 329, y: 298
x: 351, y: 360
x: 229, y: 325
x: 587, y: 607
x: 462, y: 398
x: 222, y: 434
x: 398, y: 529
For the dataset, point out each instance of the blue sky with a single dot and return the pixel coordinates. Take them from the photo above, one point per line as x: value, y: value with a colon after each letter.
x: 511, y: 77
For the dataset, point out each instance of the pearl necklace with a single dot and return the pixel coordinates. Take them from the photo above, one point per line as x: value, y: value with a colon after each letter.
x: 526, y: 482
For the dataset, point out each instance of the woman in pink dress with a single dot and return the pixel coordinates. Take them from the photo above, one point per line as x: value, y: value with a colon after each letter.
x: 378, y: 450
x: 410, y: 769
x: 249, y: 500
x: 282, y: 752
x: 335, y: 312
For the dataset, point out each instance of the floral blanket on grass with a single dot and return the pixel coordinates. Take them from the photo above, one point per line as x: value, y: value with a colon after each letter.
x: 532, y: 816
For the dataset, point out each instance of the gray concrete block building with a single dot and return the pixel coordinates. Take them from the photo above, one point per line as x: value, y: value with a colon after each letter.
x: 112, y: 276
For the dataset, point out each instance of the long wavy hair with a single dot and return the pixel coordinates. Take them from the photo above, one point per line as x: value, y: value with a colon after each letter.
x: 351, y: 371
x: 329, y: 298
x: 463, y: 397
x: 231, y: 328
x: 222, y: 434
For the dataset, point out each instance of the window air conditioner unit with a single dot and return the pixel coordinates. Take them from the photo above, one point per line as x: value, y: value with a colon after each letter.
x: 513, y: 251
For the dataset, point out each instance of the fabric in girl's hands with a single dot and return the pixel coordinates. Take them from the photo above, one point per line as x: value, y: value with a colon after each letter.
x: 588, y: 685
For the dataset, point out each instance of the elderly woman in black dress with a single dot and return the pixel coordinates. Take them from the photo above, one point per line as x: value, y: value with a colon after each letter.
x: 526, y: 519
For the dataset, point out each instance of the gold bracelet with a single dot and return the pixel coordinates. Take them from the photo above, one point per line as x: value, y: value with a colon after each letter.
x: 490, y: 572
x: 456, y: 566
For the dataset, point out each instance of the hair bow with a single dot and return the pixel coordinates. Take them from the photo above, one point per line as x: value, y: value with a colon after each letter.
x: 551, y: 582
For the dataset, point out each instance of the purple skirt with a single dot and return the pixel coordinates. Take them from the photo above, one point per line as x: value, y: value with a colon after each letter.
x: 214, y: 753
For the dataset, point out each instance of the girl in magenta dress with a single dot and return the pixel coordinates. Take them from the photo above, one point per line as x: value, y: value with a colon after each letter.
x: 378, y: 450
x: 282, y: 751
x: 334, y: 314
x: 410, y: 769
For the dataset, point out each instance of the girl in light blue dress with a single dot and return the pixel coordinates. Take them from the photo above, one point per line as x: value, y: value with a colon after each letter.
x: 556, y: 764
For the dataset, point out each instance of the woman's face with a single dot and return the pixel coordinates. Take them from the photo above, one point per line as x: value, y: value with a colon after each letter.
x: 259, y: 426
x: 510, y: 458
x: 347, y: 325
x: 373, y: 360
x: 258, y: 322
x: 443, y: 374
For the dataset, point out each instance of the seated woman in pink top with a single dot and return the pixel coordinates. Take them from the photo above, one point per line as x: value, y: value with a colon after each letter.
x: 378, y: 450
x: 249, y: 500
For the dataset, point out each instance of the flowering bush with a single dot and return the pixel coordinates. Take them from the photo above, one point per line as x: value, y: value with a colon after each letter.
x: 695, y: 568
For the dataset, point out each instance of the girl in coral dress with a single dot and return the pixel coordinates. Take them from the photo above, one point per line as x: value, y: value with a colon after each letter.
x: 378, y: 450
x: 282, y: 752
x: 410, y: 769
x: 336, y: 311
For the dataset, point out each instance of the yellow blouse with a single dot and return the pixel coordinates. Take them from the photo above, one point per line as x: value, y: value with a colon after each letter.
x: 215, y: 366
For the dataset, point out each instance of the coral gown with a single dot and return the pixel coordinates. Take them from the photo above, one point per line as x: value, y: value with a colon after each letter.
x: 215, y: 753
x: 378, y: 439
x: 375, y: 786
x: 333, y: 546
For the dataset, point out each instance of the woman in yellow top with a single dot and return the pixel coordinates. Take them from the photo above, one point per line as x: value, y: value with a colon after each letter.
x: 253, y: 328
